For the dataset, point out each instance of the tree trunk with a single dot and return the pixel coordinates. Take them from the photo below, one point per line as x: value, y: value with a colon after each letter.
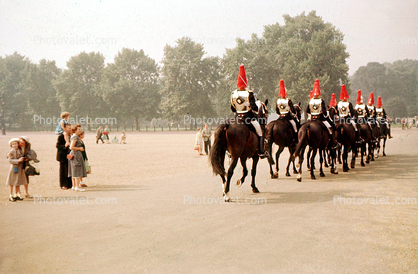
x: 136, y: 123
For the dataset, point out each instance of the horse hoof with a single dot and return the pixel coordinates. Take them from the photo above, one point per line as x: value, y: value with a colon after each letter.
x: 313, y: 177
x: 322, y: 174
x: 226, y: 198
x: 309, y: 168
x: 363, y: 165
x: 326, y: 165
x: 384, y: 154
x: 299, y: 178
x: 239, y: 183
x: 255, y: 190
x: 287, y: 174
x: 345, y: 170
x: 295, y: 172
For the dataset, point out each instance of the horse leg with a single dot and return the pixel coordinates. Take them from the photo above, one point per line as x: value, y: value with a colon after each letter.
x: 314, y: 151
x: 253, y: 173
x: 325, y: 158
x: 291, y: 151
x: 321, y: 160
x: 279, y: 151
x: 244, y: 171
x: 362, y: 153
x: 384, y: 145
x: 333, y: 161
x: 353, y: 156
x: 339, y: 156
x: 299, y: 177
x: 308, y: 157
x: 234, y: 161
x: 345, y: 159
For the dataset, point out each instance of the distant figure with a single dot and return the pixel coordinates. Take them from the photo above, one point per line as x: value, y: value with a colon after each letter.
x: 123, y: 138
x: 99, y: 135
x: 115, y: 139
x: 199, y: 141
x: 206, y: 138
x: 62, y: 151
x: 106, y: 134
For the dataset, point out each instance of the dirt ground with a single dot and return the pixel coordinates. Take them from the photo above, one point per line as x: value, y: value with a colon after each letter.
x: 153, y: 205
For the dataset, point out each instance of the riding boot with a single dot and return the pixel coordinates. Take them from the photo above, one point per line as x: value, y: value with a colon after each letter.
x: 334, y: 143
x: 390, y: 132
x: 261, y: 151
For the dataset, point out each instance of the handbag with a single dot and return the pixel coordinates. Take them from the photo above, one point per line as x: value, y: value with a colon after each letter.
x: 88, y: 167
x: 70, y: 156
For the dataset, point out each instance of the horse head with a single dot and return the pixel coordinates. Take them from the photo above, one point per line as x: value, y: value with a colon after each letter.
x: 262, y: 112
x: 333, y: 113
x: 298, y: 110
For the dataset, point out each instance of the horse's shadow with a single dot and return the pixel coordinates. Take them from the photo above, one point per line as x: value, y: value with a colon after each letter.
x: 294, y: 197
x: 116, y: 188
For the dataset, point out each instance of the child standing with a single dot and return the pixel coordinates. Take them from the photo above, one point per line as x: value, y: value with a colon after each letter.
x: 123, y: 138
x: 17, y: 176
x: 61, y: 125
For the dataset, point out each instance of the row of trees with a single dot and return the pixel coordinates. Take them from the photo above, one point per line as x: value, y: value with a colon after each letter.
x: 396, y: 83
x: 135, y: 88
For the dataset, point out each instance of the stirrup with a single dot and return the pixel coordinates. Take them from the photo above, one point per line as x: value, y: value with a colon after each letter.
x: 264, y: 155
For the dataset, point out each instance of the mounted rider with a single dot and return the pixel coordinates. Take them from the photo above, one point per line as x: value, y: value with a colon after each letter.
x: 244, y: 106
x: 362, y: 110
x: 286, y: 111
x: 381, y: 115
x: 317, y: 109
x: 347, y: 113
x: 372, y: 118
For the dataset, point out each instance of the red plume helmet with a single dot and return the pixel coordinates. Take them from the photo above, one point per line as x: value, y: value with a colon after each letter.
x: 316, y: 89
x: 344, y: 94
x: 358, y: 102
x: 333, y: 102
x: 282, y: 90
x: 311, y: 94
x: 242, y: 78
x: 379, y: 102
x: 371, y: 100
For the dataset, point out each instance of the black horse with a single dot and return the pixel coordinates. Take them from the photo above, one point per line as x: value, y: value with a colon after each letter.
x: 241, y: 143
x: 281, y: 132
x: 316, y: 135
x: 346, y: 136
x: 384, y: 133
x: 367, y: 135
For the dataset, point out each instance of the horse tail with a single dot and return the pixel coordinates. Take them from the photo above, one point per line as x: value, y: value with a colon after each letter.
x: 217, y: 152
x: 303, y: 136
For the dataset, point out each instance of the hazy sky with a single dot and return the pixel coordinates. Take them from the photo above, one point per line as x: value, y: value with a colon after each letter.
x: 375, y: 31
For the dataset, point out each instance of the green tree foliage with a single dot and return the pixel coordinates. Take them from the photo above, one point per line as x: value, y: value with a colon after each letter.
x: 261, y: 73
x: 12, y: 69
x: 131, y: 86
x: 306, y: 48
x: 396, y: 83
x: 78, y: 86
x: 37, y: 87
x: 189, y: 80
